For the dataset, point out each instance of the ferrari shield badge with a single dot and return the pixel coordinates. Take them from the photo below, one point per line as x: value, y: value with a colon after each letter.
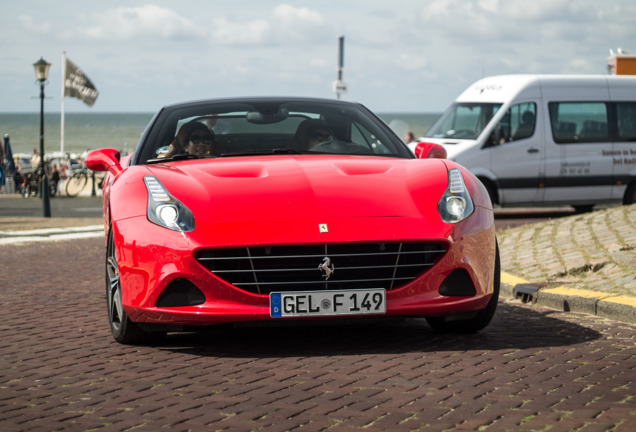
x: 323, y: 228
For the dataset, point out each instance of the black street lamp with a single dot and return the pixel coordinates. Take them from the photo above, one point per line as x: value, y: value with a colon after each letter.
x: 41, y: 74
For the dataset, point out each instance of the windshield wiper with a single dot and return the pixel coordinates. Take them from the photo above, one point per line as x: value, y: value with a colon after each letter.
x: 186, y: 156
x: 261, y: 152
x: 177, y: 157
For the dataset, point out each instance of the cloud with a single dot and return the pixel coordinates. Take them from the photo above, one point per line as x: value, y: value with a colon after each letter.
x: 492, y: 20
x: 285, y: 24
x: 229, y: 32
x: 129, y: 23
x: 32, y: 26
x: 290, y: 15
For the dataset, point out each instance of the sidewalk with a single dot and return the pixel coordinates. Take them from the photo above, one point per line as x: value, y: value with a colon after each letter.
x: 582, y: 263
x: 20, y: 214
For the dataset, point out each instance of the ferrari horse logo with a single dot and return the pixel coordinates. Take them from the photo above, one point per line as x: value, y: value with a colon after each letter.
x: 327, y: 268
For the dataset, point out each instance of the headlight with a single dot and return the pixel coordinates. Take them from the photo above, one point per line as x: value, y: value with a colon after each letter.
x: 164, y: 210
x: 456, y: 204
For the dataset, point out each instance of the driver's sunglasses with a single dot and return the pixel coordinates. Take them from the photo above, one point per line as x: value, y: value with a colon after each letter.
x: 196, y: 139
x: 321, y: 136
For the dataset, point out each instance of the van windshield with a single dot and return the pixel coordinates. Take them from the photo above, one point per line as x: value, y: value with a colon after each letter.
x: 463, y: 120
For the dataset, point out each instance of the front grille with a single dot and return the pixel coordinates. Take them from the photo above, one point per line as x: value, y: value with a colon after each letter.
x: 264, y: 269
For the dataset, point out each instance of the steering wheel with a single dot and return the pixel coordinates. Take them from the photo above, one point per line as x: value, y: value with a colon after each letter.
x: 462, y: 133
x: 331, y: 146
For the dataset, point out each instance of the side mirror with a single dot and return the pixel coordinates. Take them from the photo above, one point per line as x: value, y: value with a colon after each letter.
x: 427, y: 150
x: 104, y: 160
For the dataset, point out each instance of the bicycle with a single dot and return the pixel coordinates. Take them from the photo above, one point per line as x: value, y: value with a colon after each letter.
x: 31, y: 186
x: 32, y: 182
x: 77, y: 182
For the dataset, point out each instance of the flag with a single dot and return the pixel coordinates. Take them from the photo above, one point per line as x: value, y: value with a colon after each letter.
x: 8, y: 155
x: 77, y: 85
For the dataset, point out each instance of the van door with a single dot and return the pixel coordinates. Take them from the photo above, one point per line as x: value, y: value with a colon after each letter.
x: 579, y: 153
x: 624, y: 152
x: 516, y: 160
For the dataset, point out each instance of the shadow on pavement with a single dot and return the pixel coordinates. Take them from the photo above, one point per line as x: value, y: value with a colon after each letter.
x: 513, y: 328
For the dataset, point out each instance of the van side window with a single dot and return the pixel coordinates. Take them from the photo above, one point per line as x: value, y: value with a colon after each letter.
x: 519, y: 122
x: 522, y: 120
x: 626, y: 118
x: 579, y: 122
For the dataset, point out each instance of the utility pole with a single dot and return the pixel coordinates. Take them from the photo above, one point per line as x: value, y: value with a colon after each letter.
x: 339, y: 85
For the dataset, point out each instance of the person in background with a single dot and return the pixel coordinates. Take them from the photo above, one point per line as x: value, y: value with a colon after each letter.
x: 55, y: 179
x: 410, y: 138
x: 19, y: 179
x: 2, y: 176
x: 35, y: 160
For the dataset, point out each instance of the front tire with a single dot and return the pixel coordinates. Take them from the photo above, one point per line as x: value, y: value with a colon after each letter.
x: 482, y: 318
x: 630, y: 194
x: 122, y: 328
x: 491, y: 189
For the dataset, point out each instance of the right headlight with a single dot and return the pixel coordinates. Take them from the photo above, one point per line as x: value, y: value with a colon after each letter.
x: 455, y: 205
x: 165, y: 210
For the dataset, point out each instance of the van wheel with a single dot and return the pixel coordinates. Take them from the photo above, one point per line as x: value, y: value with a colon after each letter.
x: 491, y: 189
x: 583, y: 208
x: 630, y: 194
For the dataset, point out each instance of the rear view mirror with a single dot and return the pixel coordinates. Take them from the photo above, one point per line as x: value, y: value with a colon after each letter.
x: 258, y: 117
x: 427, y: 150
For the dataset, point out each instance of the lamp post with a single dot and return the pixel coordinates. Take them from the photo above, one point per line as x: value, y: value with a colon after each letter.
x: 41, y: 74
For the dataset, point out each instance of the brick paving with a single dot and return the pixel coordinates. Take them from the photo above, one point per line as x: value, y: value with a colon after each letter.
x: 595, y: 250
x: 583, y: 263
x: 532, y: 369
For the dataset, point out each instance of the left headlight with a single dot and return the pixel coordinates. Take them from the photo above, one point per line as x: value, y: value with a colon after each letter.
x: 456, y: 204
x: 165, y: 210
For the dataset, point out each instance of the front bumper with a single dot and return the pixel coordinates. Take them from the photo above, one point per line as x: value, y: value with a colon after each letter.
x: 152, y: 258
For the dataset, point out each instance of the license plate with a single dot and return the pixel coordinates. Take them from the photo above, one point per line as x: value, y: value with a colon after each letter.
x: 327, y: 303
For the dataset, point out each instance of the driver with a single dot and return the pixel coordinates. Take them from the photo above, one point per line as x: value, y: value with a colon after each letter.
x: 193, y: 138
x: 310, y: 133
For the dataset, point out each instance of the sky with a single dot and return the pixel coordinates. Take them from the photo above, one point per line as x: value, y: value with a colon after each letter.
x: 399, y: 56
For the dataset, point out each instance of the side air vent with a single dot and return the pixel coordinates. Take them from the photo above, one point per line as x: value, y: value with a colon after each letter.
x: 457, y: 284
x: 180, y: 292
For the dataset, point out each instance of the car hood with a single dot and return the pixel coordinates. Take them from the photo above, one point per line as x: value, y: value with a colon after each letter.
x: 296, y: 187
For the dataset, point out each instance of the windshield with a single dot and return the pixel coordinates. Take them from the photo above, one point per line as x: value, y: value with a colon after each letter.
x: 268, y: 126
x: 463, y: 120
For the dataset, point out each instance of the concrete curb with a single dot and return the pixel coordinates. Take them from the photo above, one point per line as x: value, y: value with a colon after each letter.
x: 606, y: 305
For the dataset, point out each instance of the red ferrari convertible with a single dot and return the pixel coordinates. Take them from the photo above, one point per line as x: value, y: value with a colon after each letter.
x: 258, y: 209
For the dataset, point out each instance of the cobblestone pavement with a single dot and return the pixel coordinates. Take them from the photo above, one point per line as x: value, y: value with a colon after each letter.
x: 532, y: 369
x: 585, y: 262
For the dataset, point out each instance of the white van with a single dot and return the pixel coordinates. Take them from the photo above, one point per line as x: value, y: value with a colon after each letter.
x: 546, y: 139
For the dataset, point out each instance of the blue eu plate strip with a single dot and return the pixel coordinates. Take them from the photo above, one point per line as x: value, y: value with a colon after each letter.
x: 275, y: 305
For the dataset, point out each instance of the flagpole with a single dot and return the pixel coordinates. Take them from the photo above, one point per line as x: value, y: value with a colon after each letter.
x: 62, y: 110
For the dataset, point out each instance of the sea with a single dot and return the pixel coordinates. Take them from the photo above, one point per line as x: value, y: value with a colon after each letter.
x: 89, y: 131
